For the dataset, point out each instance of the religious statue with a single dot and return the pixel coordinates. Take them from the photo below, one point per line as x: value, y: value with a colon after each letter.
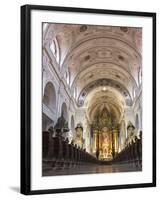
x: 130, y: 133
x: 78, y: 138
x: 61, y: 126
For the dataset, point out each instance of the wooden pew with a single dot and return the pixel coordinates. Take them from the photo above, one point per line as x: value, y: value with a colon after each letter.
x: 132, y: 153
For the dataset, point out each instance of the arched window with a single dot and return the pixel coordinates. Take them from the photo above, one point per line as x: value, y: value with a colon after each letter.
x: 54, y: 47
x: 44, y: 26
x: 67, y: 77
x: 49, y: 98
x: 64, y: 111
x: 140, y: 76
x: 75, y: 93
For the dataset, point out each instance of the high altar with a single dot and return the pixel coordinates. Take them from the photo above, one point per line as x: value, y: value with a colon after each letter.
x: 105, y: 138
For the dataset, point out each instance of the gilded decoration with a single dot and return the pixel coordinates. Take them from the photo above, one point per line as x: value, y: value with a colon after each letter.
x: 105, y: 136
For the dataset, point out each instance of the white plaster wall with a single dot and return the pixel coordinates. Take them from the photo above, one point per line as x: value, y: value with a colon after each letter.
x: 51, y: 73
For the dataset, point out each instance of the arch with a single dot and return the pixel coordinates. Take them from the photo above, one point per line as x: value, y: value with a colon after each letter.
x: 104, y: 82
x: 64, y: 111
x: 49, y: 98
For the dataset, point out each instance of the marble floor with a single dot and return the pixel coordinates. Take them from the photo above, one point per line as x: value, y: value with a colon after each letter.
x: 91, y: 169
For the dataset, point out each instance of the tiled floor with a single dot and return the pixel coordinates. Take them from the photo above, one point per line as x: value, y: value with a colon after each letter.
x: 88, y: 169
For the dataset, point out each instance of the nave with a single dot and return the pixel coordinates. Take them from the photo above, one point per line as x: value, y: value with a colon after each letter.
x: 91, y: 99
x: 62, y: 158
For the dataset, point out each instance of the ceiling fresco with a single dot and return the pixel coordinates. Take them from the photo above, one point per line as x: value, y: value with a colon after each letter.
x: 98, y: 57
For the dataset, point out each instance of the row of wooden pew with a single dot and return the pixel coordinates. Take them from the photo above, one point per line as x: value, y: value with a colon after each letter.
x: 57, y: 152
x: 132, y: 153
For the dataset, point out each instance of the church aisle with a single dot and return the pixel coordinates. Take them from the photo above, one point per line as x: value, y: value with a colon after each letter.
x: 92, y: 169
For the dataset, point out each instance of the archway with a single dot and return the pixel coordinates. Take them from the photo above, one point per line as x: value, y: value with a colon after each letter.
x: 49, y: 98
x: 64, y: 111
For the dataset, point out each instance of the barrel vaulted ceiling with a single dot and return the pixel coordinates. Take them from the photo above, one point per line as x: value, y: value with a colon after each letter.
x: 97, y: 57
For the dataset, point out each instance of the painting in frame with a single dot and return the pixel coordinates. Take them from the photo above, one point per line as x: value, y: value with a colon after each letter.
x: 88, y: 99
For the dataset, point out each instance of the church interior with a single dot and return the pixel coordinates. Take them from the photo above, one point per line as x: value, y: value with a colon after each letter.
x: 92, y: 99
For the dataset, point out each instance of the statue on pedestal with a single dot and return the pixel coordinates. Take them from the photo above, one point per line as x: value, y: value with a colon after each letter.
x: 61, y: 127
x: 130, y: 133
x: 78, y: 138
